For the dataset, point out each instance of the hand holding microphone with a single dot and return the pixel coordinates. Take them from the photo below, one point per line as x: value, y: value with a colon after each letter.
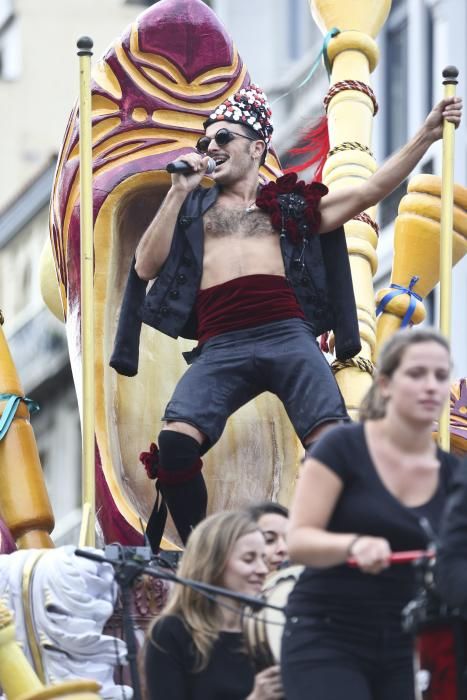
x: 184, y: 167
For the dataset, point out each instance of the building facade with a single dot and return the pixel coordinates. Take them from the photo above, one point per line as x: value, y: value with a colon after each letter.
x: 278, y: 41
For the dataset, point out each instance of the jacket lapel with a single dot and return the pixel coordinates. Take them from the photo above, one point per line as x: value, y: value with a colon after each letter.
x: 196, y: 208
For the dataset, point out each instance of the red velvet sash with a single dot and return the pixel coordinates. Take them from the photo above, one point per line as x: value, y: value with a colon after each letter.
x: 244, y: 302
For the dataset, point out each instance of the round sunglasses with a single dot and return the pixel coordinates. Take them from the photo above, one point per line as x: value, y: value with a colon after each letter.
x: 222, y: 138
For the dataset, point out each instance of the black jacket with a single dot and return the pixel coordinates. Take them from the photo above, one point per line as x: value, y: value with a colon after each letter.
x: 451, y: 559
x: 320, y: 278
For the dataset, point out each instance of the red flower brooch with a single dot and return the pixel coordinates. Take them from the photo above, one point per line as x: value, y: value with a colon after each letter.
x: 150, y: 460
x: 293, y: 206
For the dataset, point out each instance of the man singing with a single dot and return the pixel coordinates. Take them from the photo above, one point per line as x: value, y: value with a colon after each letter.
x: 244, y: 270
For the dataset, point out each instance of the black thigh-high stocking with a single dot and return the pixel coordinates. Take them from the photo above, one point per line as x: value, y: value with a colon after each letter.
x: 181, y: 484
x: 187, y: 503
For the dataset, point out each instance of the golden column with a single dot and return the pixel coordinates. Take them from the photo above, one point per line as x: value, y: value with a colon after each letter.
x: 351, y: 105
x: 19, y: 682
x: 24, y: 502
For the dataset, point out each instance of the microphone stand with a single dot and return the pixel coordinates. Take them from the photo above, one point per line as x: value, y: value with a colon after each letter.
x: 126, y: 573
x: 128, y: 570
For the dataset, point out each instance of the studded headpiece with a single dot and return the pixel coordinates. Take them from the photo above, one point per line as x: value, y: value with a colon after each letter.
x: 249, y: 107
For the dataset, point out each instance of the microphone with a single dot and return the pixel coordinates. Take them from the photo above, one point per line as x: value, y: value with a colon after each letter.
x: 181, y: 167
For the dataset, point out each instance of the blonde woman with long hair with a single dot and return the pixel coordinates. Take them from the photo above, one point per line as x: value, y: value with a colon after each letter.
x: 367, y: 490
x: 196, y: 650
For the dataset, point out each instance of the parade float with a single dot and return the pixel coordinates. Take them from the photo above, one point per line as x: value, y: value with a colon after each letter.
x: 143, y: 106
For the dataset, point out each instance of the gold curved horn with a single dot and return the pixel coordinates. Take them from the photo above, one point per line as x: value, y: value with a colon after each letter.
x: 416, y: 249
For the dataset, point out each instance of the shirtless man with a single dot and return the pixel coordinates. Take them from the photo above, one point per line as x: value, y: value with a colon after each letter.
x: 260, y: 295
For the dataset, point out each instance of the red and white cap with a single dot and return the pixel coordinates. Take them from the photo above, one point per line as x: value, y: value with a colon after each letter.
x: 249, y: 107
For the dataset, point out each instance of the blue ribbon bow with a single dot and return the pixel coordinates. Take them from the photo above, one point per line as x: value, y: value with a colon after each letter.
x: 12, y: 403
x: 397, y: 289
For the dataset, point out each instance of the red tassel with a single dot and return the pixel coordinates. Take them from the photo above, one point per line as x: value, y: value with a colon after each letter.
x: 315, y: 143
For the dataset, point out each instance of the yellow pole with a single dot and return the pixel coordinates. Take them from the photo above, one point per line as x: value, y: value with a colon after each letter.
x: 87, y: 288
x: 449, y: 74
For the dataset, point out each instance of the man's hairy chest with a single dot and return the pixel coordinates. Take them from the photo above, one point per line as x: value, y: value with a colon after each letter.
x: 220, y: 222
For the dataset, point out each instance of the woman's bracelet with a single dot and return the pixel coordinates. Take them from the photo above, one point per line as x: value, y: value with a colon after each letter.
x: 351, y: 545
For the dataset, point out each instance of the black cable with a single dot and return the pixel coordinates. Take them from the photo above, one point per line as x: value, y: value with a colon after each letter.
x: 160, y: 561
x: 241, y: 612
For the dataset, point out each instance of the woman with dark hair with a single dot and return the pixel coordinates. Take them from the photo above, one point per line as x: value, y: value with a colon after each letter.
x: 273, y: 520
x: 367, y: 490
x: 196, y: 650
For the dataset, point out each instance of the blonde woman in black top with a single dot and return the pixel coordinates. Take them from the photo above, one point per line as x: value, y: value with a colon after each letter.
x: 366, y: 491
x: 196, y: 650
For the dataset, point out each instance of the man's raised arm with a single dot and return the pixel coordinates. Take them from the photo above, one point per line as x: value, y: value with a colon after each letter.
x: 342, y: 205
x: 154, y: 246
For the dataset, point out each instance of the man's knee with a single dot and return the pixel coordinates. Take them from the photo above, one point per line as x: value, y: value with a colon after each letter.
x: 185, y: 429
x: 179, y: 457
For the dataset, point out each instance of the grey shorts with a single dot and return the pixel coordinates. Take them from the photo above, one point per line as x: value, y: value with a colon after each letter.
x: 282, y: 357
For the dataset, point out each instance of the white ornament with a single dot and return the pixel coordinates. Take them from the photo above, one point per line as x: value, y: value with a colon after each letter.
x: 70, y: 600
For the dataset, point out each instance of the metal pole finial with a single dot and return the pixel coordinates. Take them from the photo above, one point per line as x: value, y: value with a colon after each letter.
x: 85, y: 44
x: 450, y: 74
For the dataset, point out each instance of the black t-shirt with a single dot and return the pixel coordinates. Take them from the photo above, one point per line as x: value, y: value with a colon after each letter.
x: 170, y: 660
x: 367, y: 507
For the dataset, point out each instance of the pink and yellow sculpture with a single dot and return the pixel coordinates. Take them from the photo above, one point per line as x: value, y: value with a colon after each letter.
x: 150, y: 95
x: 458, y: 417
